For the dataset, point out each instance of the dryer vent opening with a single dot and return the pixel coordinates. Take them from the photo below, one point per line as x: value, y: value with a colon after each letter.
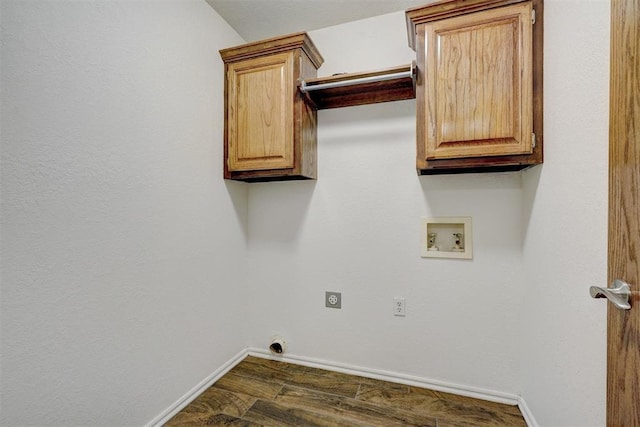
x: 277, y: 346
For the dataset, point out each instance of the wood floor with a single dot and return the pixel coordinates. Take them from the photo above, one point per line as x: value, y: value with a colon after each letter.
x: 270, y: 393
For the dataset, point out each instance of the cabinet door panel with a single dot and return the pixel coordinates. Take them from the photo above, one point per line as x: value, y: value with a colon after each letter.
x: 260, y: 114
x: 479, y: 84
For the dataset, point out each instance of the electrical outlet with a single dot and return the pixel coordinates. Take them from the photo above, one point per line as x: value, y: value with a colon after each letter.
x: 333, y: 299
x: 399, y: 307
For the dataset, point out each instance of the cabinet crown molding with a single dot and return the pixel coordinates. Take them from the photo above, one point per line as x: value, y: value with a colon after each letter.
x: 274, y: 45
x: 446, y: 9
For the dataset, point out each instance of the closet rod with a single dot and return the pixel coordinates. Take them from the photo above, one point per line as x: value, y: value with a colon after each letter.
x: 371, y: 79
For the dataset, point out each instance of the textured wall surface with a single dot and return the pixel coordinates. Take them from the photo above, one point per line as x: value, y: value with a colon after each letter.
x: 515, y: 319
x: 122, y: 247
x: 565, y: 245
x: 357, y: 230
x: 131, y: 271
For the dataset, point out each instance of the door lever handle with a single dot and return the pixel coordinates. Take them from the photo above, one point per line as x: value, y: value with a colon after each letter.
x: 618, y: 294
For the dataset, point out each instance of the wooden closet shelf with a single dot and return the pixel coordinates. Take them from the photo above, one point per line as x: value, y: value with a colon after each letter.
x: 370, y: 87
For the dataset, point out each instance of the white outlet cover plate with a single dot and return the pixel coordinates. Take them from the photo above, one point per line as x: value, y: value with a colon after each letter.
x: 399, y: 307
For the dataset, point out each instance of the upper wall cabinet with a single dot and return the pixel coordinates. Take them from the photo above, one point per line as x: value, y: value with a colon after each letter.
x: 270, y: 129
x: 479, y: 85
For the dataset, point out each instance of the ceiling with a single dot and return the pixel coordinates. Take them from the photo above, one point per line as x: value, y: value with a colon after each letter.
x: 260, y: 19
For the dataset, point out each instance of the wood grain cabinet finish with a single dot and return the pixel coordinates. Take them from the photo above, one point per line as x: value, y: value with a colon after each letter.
x: 270, y: 130
x: 479, y: 89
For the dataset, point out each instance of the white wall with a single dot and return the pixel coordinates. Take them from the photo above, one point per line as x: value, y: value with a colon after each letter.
x: 122, y: 247
x: 564, y: 335
x: 357, y: 230
x: 518, y: 317
x: 124, y: 253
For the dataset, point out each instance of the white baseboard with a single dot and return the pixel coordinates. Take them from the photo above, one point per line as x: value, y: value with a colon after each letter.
x: 171, y: 411
x: 479, y: 393
x: 444, y: 386
x: 526, y: 413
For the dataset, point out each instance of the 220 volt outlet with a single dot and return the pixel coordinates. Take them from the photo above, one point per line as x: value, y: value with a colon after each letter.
x: 333, y: 299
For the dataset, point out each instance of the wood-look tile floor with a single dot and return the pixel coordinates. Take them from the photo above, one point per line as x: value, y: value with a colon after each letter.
x: 261, y: 392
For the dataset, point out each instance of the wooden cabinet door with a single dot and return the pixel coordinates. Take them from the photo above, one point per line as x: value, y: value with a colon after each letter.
x: 260, y: 113
x: 478, y: 82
